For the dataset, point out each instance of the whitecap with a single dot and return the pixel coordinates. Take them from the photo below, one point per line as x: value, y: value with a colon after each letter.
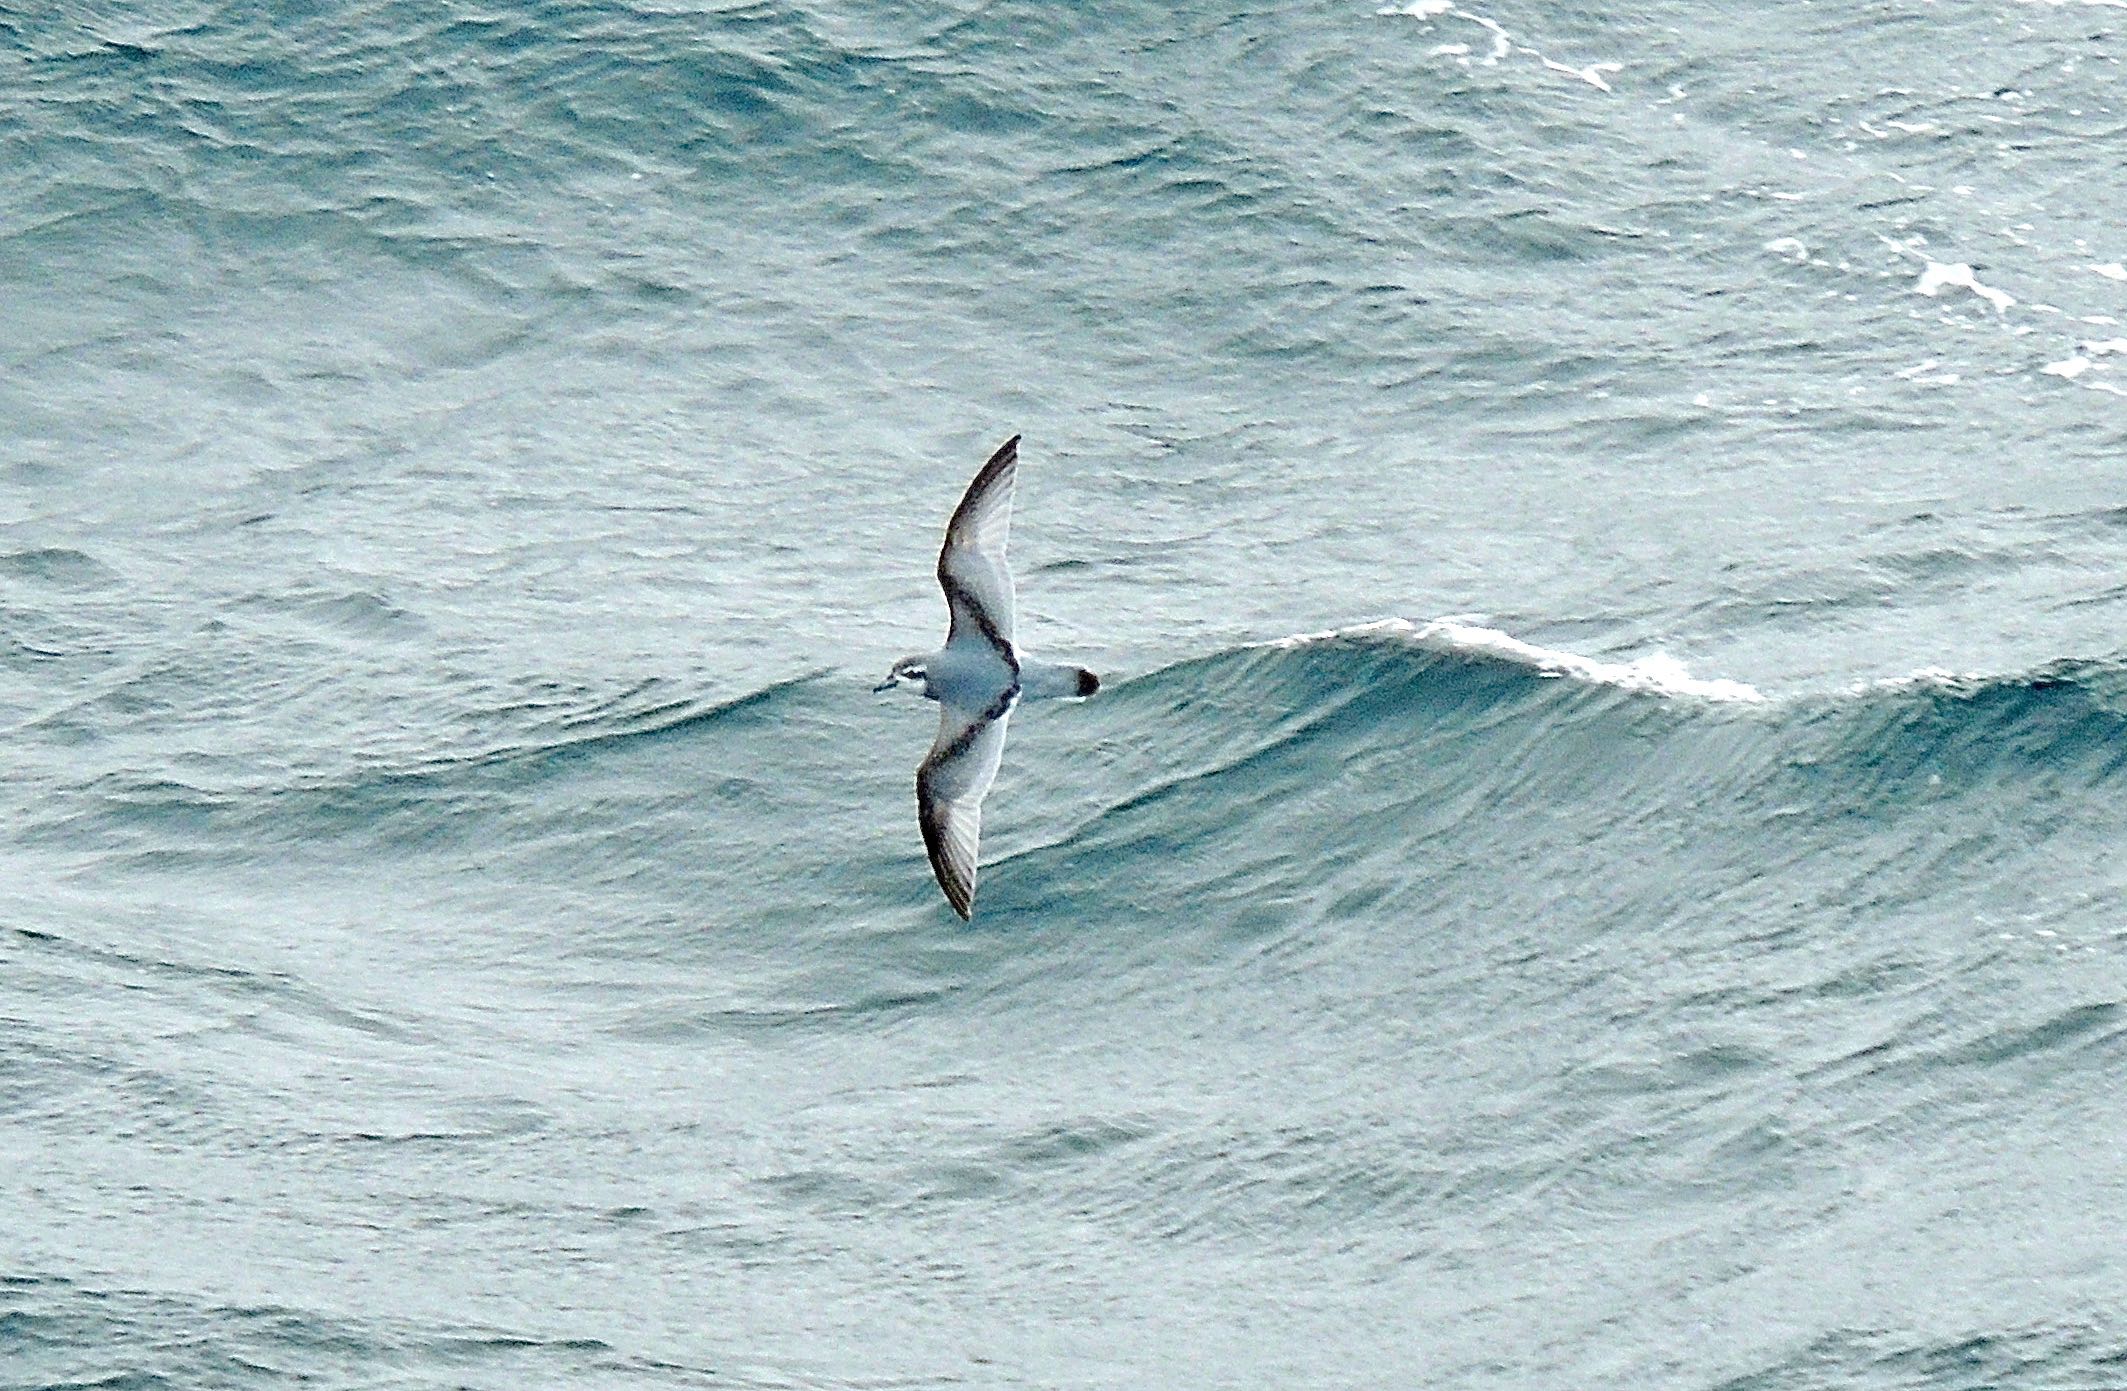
x: 1938, y: 276
x: 1925, y: 679
x: 1592, y: 74
x: 1924, y: 374
x: 1654, y: 674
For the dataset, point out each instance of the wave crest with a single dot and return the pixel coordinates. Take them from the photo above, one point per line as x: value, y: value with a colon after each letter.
x: 1654, y: 674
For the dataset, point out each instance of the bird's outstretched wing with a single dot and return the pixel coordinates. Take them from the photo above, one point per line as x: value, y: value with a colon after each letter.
x: 950, y: 785
x: 971, y: 565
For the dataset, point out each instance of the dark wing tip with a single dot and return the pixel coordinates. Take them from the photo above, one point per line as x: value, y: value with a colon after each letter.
x: 1002, y: 461
x: 1088, y: 683
x: 958, y: 891
x: 1007, y: 454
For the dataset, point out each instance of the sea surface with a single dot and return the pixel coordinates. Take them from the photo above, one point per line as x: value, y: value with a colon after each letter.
x: 1600, y: 859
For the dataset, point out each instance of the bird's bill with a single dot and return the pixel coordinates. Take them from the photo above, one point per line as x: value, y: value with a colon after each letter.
x: 888, y: 684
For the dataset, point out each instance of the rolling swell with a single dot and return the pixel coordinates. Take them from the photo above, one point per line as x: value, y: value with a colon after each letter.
x: 438, y: 802
x: 1344, y: 770
x: 1362, y: 743
x: 1448, y: 683
x: 2062, y: 724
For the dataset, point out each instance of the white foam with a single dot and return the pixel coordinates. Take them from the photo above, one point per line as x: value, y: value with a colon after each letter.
x: 2106, y: 346
x: 1924, y: 374
x: 2112, y: 271
x: 2069, y: 370
x: 1788, y: 246
x: 1592, y: 74
x: 1655, y: 674
x: 1502, y: 42
x: 1927, y: 678
x: 1938, y: 277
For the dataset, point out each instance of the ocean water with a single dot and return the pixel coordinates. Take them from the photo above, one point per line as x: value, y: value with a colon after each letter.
x: 1599, y: 861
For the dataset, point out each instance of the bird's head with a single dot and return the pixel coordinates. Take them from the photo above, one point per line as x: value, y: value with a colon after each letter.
x: 907, y: 669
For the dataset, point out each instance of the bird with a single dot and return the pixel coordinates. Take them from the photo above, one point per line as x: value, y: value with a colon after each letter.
x: 978, y: 678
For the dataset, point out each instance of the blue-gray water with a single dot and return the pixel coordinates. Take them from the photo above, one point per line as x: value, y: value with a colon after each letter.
x: 464, y: 464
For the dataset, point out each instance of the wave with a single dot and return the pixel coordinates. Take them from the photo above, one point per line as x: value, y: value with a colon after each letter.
x: 499, y: 789
x: 57, y: 1324
x: 2070, y: 711
x: 1655, y: 674
x: 1378, y: 739
x: 1359, y: 765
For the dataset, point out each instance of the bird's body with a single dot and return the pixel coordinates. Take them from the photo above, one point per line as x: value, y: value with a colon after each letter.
x: 970, y: 673
x: 978, y: 678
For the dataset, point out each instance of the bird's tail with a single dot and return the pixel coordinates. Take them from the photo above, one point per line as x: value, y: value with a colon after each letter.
x: 1055, y: 681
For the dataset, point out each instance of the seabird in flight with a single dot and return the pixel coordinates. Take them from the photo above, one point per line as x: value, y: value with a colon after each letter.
x: 977, y: 678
